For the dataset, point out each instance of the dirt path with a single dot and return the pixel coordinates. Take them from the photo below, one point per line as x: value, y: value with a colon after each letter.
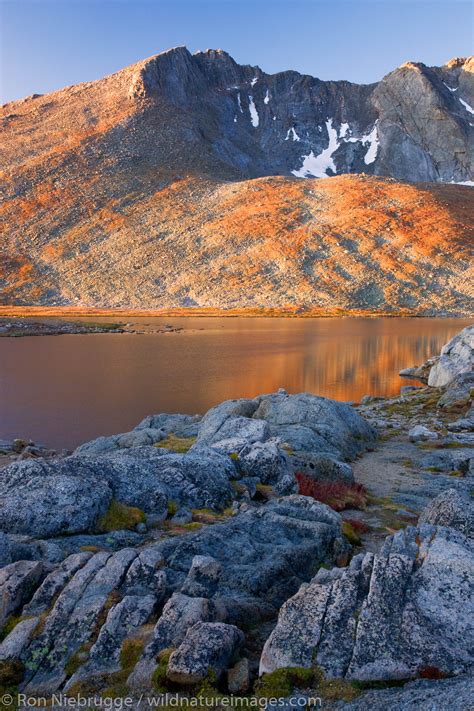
x: 402, y: 477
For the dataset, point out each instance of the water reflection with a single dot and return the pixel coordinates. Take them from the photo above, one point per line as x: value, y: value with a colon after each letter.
x: 67, y: 389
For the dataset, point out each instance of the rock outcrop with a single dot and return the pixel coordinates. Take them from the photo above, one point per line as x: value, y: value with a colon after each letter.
x: 453, y: 510
x: 422, y: 695
x: 457, y: 358
x: 389, y: 616
x: 263, y: 440
x: 229, y: 575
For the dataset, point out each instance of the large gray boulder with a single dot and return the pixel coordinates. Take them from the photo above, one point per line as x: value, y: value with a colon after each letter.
x: 207, y: 648
x: 148, y: 477
x: 127, y: 440
x: 458, y: 392
x: 68, y: 496
x: 306, y: 421
x: 457, y: 357
x: 237, y: 427
x: 265, y: 460
x: 72, y: 620
x: 262, y: 552
x: 77, y: 614
x: 214, y: 426
x: 389, y: 616
x: 179, y: 614
x: 54, y: 583
x: 44, y: 499
x: 271, y: 426
x: 179, y: 425
x: 123, y: 620
x: 451, y: 509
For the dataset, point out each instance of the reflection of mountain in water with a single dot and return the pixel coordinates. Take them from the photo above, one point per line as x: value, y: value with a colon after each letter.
x: 68, y: 389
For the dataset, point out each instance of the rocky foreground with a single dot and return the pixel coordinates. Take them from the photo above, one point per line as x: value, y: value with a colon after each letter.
x: 245, y: 552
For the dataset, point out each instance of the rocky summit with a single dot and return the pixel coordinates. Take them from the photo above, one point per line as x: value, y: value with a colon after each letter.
x: 186, y: 181
x: 284, y: 545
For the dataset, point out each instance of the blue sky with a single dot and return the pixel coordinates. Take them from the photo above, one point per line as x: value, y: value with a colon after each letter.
x: 47, y: 44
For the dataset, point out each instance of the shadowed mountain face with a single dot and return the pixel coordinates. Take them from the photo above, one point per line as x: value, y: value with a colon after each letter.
x: 135, y: 190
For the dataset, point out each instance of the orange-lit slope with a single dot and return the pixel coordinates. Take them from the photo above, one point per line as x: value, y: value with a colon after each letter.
x: 154, y: 241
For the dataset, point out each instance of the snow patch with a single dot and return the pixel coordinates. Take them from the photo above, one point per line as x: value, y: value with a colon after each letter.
x: 449, y: 87
x: 317, y: 166
x: 372, y: 139
x: 254, y: 81
x: 238, y: 102
x: 343, y: 130
x: 253, y: 112
x: 466, y: 106
x: 235, y: 119
x: 274, y: 118
x: 291, y: 132
x: 267, y: 98
x: 463, y: 182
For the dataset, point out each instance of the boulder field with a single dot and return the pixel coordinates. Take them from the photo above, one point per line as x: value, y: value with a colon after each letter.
x: 183, y: 556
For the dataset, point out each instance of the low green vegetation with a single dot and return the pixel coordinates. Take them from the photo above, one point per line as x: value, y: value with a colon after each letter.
x: 77, y: 659
x: 11, y: 675
x: 10, y: 625
x: 283, y: 682
x: 129, y: 655
x: 158, y: 679
x: 180, y: 445
x: 351, y: 534
x: 172, y: 507
x: 120, y: 517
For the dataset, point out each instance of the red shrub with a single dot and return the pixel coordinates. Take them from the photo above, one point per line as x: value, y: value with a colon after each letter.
x: 431, y: 673
x: 337, y: 495
x: 357, y: 525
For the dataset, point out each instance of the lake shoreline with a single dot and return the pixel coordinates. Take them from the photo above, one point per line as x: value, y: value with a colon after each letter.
x: 298, y: 312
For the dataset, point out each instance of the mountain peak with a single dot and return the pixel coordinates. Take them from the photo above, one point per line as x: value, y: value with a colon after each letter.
x: 466, y: 63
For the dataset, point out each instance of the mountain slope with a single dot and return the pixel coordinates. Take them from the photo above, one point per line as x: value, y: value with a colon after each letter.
x: 349, y: 242
x: 134, y: 190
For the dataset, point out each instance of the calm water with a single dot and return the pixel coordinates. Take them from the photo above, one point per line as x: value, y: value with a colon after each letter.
x: 63, y: 390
